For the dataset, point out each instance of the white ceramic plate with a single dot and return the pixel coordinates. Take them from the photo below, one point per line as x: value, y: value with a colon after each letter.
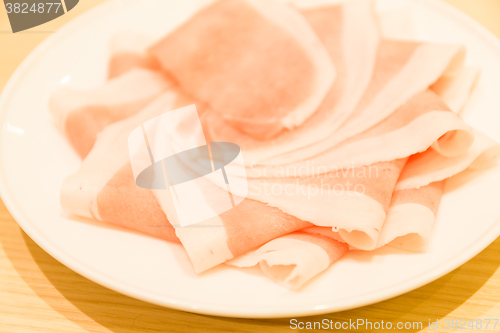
x: 35, y: 159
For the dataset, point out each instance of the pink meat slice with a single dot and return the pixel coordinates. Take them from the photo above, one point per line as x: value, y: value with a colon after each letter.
x: 353, y: 202
x: 82, y: 114
x: 232, y: 233
x: 421, y: 122
x: 104, y: 188
x: 417, y: 195
x: 123, y: 203
x: 454, y: 87
x: 431, y: 166
x: 409, y: 222
x: 411, y: 217
x: 392, y: 85
x: 350, y: 35
x: 129, y: 50
x: 293, y: 259
x: 231, y: 55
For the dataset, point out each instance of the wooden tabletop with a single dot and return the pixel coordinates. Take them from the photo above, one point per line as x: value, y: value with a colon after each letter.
x: 38, y: 294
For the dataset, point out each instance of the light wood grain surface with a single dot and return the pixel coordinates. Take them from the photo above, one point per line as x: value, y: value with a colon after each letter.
x: 38, y: 294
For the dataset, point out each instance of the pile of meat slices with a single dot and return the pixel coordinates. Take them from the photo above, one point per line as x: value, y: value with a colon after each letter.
x: 360, y: 129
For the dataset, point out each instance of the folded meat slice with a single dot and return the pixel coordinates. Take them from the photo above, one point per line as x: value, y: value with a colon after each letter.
x: 82, y: 114
x: 421, y: 122
x: 257, y: 63
x: 232, y: 233
x: 431, y: 166
x: 104, y: 187
x: 419, y: 190
x: 409, y: 221
x: 404, y: 69
x: 350, y: 35
x: 129, y: 50
x: 454, y: 87
x: 352, y: 202
x: 411, y: 217
x: 293, y: 259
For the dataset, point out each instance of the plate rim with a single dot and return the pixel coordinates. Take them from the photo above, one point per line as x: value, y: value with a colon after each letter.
x: 217, y: 310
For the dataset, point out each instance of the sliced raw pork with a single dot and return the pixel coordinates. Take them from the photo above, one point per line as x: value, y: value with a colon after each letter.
x: 353, y: 202
x: 104, y: 187
x: 423, y: 121
x: 411, y: 217
x: 82, y: 114
x: 431, y: 166
x: 293, y: 259
x: 257, y: 63
x: 349, y: 33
